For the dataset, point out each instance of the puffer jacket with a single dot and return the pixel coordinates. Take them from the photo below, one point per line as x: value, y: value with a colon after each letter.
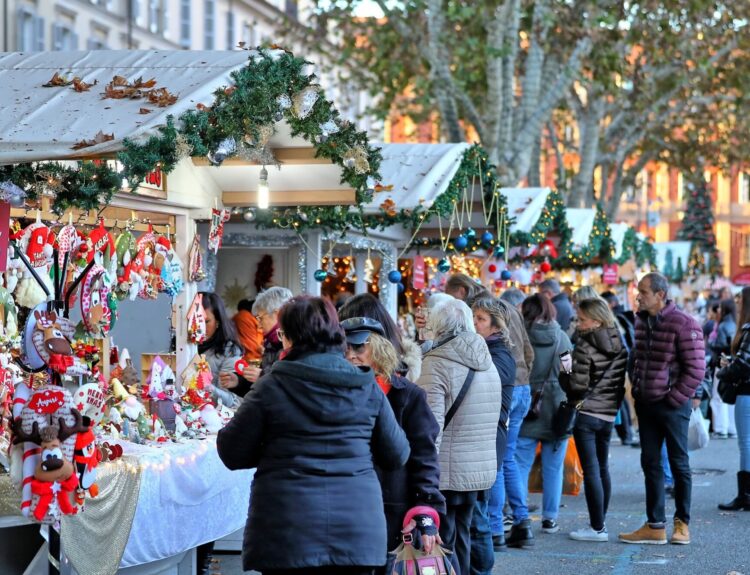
x: 467, y: 445
x: 549, y: 341
x: 314, y: 427
x: 738, y: 369
x: 522, y: 350
x: 599, y: 359
x: 670, y: 360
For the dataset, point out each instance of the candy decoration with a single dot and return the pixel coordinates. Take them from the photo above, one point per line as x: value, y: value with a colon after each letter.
x: 394, y: 276
x: 320, y: 275
x: 505, y: 275
x: 444, y: 266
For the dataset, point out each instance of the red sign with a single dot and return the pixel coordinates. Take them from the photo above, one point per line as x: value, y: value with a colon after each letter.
x: 418, y: 276
x: 742, y: 279
x: 610, y: 275
x: 4, y: 233
x: 47, y: 401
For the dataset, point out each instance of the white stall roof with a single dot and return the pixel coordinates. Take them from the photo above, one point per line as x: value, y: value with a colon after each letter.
x: 679, y: 250
x: 581, y: 223
x: 525, y: 205
x: 617, y: 233
x: 418, y: 173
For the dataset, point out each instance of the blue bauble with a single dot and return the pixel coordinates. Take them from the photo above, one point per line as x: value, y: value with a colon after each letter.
x: 444, y: 266
x: 320, y: 275
x: 394, y: 276
x: 499, y: 251
x: 470, y: 234
x: 460, y: 243
x: 401, y: 288
x: 505, y: 275
x: 487, y: 237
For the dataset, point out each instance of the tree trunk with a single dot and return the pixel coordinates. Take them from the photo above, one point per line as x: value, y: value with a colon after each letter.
x: 589, y: 133
x: 535, y: 178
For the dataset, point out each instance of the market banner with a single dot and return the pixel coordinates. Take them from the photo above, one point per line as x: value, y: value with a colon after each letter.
x: 418, y: 275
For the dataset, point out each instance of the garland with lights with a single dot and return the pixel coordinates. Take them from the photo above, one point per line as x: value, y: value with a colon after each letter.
x: 598, y: 246
x: 634, y: 247
x: 273, y: 86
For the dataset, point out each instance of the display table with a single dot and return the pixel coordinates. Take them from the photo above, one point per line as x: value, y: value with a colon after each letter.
x: 156, y: 504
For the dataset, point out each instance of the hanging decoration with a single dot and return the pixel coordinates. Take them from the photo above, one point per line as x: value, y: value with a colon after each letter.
x: 320, y: 275
x: 394, y: 276
x: 444, y: 266
x: 216, y: 232
x: 196, y: 271
x: 369, y: 270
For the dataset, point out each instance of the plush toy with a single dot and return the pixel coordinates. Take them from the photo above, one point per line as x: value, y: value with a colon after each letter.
x: 86, y: 457
x: 95, y: 311
x: 211, y: 418
x: 51, y: 339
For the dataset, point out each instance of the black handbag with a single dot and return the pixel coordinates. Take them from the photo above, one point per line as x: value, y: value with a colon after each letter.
x: 535, y: 408
x: 728, y: 387
x: 564, y: 420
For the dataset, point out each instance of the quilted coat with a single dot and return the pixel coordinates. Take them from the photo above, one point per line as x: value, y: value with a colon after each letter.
x: 670, y: 359
x: 599, y: 358
x: 314, y: 427
x: 467, y: 446
x: 738, y: 370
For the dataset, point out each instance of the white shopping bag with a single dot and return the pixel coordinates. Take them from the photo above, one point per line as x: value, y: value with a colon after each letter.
x: 697, y: 431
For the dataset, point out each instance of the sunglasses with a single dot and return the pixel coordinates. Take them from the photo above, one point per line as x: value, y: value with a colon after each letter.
x: 357, y: 348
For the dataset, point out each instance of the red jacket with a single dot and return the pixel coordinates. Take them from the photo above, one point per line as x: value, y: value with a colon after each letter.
x: 670, y: 359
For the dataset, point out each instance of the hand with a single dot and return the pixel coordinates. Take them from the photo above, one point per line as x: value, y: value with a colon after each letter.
x: 696, y: 403
x: 251, y: 373
x: 724, y: 361
x: 428, y: 541
x: 228, y: 380
x: 420, y: 319
x: 567, y: 363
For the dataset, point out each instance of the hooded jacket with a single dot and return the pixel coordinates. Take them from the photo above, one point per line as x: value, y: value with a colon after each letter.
x: 467, y: 445
x: 549, y: 341
x: 599, y: 359
x: 670, y: 360
x: 314, y: 427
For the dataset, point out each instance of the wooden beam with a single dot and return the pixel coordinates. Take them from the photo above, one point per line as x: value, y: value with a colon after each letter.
x: 287, y: 156
x: 293, y: 198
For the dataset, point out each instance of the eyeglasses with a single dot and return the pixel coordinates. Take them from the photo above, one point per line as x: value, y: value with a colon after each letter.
x: 280, y: 333
x: 357, y: 348
x: 260, y: 316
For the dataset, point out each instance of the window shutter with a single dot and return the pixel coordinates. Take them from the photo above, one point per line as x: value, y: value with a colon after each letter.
x: 56, y: 37
x: 39, y: 33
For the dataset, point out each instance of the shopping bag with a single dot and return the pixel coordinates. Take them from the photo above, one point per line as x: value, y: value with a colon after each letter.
x: 697, y: 431
x: 409, y: 561
x: 535, y: 475
x: 572, y: 471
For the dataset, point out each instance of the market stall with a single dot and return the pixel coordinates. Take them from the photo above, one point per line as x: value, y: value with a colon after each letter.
x: 107, y: 162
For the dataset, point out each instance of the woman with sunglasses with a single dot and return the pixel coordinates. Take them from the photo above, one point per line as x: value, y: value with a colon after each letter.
x: 414, y: 488
x: 315, y: 427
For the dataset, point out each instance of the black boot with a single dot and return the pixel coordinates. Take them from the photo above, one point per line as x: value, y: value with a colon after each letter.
x: 742, y: 501
x: 521, y: 535
x: 498, y: 542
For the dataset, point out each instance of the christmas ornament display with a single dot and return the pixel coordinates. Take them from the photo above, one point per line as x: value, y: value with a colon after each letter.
x: 394, y: 276
x: 444, y: 266
x: 487, y: 237
x: 320, y: 275
x: 505, y: 275
x: 545, y: 267
x: 460, y: 242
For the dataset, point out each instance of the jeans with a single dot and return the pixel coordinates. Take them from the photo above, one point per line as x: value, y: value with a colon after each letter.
x: 455, y: 526
x: 482, y: 552
x: 722, y: 414
x: 592, y: 437
x: 659, y: 422
x: 508, y: 480
x: 552, y: 470
x: 742, y: 419
x: 668, y: 479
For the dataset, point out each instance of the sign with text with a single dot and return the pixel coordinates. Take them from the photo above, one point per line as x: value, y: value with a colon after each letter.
x: 609, y: 275
x: 418, y: 276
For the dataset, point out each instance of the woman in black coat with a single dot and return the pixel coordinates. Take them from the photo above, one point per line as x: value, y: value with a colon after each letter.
x: 314, y: 427
x: 418, y: 483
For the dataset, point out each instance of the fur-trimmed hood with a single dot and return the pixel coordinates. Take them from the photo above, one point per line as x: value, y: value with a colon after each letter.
x: 412, y: 359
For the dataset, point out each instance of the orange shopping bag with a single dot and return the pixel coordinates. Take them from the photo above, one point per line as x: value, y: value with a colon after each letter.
x: 572, y: 471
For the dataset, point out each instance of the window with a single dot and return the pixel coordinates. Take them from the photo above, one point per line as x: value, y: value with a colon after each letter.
x: 743, y: 185
x: 209, y: 19
x: 292, y: 9
x: 63, y: 37
x: 230, y: 30
x: 156, y: 16
x: 744, y: 250
x: 185, y: 23
x: 29, y: 31
x: 249, y: 36
x: 98, y: 40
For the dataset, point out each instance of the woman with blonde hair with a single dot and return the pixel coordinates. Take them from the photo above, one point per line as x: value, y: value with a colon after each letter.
x: 415, y: 488
x: 596, y: 385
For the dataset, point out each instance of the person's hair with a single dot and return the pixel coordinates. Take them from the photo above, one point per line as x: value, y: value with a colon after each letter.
x: 498, y: 316
x: 472, y: 288
x: 551, y: 285
x: 584, y: 292
x: 610, y: 297
x: 537, y: 308
x: 271, y: 300
x: 450, y: 318
x: 383, y: 355
x: 657, y: 282
x: 598, y: 310
x: 744, y: 317
x: 225, y: 331
x: 513, y: 296
x: 311, y: 325
x: 437, y: 299
x: 245, y: 305
x: 367, y: 305
x: 728, y: 308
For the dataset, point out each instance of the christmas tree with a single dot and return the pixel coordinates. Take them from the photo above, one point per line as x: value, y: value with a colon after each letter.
x: 698, y: 226
x: 679, y: 272
x: 668, y: 265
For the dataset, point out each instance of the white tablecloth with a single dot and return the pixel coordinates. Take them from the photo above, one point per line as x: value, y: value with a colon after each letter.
x: 187, y: 497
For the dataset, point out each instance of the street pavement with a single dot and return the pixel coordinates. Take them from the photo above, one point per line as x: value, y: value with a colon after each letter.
x: 720, y: 540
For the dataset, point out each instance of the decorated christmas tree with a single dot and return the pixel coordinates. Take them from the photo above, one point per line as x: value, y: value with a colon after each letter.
x: 698, y: 227
x: 668, y: 270
x: 679, y: 272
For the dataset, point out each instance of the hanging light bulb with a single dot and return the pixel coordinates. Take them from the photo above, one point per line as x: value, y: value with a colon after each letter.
x: 263, y: 191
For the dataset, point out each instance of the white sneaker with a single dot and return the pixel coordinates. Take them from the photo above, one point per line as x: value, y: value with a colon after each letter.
x: 588, y: 534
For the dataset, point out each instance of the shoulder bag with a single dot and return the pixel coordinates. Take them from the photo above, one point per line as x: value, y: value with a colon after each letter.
x: 566, y: 415
x: 461, y: 394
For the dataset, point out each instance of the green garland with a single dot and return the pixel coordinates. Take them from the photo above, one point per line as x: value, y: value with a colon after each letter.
x: 598, y: 246
x: 253, y: 102
x: 552, y: 217
x: 634, y: 247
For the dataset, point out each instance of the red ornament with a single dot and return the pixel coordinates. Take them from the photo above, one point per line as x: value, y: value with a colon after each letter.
x: 545, y: 267
x: 492, y: 268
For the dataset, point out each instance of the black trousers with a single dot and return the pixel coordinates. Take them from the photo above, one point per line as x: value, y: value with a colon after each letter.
x: 592, y: 437
x: 658, y: 422
x: 455, y: 526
